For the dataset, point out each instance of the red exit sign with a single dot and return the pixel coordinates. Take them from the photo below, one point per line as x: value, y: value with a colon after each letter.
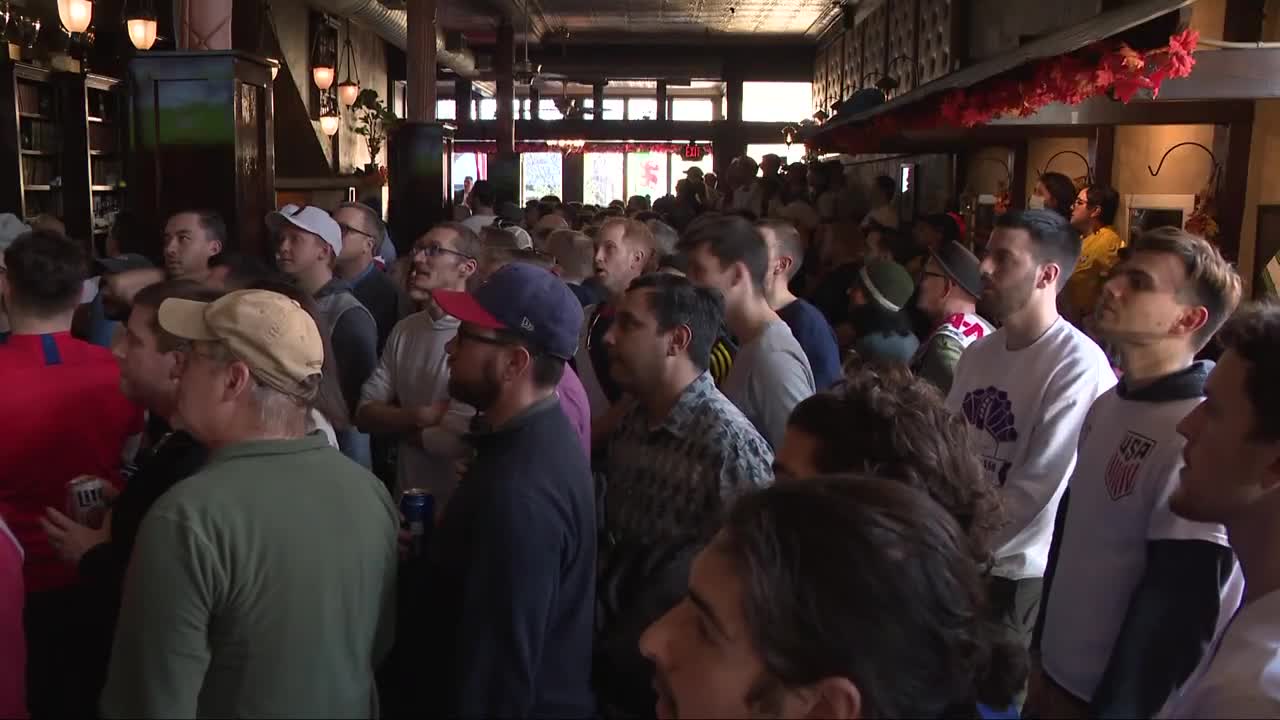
x: 693, y: 153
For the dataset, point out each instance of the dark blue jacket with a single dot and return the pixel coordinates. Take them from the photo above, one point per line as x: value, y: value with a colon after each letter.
x: 511, y: 577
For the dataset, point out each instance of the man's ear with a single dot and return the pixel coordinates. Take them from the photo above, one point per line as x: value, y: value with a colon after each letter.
x: 238, y: 380
x: 834, y: 698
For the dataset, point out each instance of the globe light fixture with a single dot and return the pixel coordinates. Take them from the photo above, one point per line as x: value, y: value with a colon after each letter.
x: 329, y: 124
x: 323, y: 77
x: 75, y: 14
x: 142, y: 32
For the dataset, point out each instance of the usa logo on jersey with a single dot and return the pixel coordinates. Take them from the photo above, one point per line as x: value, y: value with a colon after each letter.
x: 1122, y: 470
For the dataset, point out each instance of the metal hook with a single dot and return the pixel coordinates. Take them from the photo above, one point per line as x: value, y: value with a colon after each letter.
x: 1088, y: 169
x: 1214, y: 172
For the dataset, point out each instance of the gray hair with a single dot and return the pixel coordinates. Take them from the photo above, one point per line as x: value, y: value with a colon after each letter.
x: 278, y: 411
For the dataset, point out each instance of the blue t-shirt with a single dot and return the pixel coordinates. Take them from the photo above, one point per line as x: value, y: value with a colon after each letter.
x: 817, y: 339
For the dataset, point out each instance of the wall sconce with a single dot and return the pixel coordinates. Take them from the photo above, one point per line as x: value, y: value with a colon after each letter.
x: 265, y: 23
x: 789, y: 135
x: 329, y: 123
x: 75, y: 14
x: 142, y: 25
x: 348, y: 89
x: 323, y: 48
x: 820, y: 116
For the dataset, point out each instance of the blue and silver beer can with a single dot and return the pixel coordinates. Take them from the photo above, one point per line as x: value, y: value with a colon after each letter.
x: 418, y: 507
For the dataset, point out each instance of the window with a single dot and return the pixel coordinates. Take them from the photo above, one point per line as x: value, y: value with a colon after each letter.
x: 641, y: 108
x: 467, y: 165
x: 679, y: 166
x: 614, y: 108
x: 758, y: 151
x: 488, y: 109
x: 646, y: 175
x: 695, y: 109
x: 543, y: 174
x: 446, y: 110
x: 547, y: 110
x: 776, y: 101
x: 601, y: 178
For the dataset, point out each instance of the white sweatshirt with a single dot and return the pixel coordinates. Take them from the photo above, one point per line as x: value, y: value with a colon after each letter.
x: 1026, y: 408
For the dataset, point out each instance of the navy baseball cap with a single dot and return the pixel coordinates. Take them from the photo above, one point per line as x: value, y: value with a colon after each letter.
x: 525, y: 300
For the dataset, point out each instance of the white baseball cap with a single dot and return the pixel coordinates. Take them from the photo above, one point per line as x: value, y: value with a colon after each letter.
x: 310, y: 219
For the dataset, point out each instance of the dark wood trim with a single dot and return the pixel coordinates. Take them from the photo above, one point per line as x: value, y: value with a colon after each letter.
x: 1244, y: 20
x: 1104, y: 111
x: 1227, y: 75
x: 662, y: 100
x: 623, y: 130
x: 504, y: 58
x: 1062, y: 42
x: 1235, y: 183
x: 597, y: 102
x: 1102, y: 153
x: 1018, y: 157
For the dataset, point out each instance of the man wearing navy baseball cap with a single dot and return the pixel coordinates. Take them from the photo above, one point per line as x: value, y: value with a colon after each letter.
x: 512, y: 564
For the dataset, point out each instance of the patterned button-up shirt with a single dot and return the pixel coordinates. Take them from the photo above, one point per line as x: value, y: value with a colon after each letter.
x: 676, y: 478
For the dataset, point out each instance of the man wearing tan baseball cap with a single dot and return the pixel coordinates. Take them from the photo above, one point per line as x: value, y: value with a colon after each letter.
x: 275, y: 519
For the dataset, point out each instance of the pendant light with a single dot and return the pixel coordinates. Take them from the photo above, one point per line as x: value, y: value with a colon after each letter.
x: 348, y: 89
x: 142, y: 25
x: 322, y: 68
x: 329, y: 123
x: 267, y: 24
x: 75, y: 14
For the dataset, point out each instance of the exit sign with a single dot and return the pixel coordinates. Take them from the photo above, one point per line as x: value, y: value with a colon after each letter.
x: 693, y: 153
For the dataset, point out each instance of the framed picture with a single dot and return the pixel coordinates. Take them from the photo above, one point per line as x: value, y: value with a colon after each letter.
x: 1140, y: 213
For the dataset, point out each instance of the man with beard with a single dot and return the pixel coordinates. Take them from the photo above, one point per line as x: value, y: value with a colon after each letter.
x: 512, y: 562
x: 1133, y: 593
x: 1025, y: 390
x: 407, y: 395
x: 946, y: 293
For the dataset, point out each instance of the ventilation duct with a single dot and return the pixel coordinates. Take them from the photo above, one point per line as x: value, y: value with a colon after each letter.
x: 393, y: 26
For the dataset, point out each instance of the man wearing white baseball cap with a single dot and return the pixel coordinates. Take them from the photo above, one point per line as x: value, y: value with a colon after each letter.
x: 308, y: 242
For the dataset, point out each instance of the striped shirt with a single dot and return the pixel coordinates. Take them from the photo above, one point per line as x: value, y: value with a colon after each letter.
x: 676, y: 478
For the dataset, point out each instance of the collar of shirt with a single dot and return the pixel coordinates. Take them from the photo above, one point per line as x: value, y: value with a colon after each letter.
x: 520, y: 419
x: 45, y: 344
x: 266, y: 448
x: 334, y: 286
x: 1182, y: 385
x: 685, y: 411
x: 363, y: 274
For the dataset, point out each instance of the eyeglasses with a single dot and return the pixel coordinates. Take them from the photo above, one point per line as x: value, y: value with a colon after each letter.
x: 347, y: 228
x: 434, y: 250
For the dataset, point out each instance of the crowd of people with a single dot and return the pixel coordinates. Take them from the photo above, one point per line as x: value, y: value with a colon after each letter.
x: 755, y: 449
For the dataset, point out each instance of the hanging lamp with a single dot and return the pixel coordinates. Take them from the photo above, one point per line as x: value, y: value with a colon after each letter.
x: 348, y: 89
x: 142, y: 25
x: 75, y: 14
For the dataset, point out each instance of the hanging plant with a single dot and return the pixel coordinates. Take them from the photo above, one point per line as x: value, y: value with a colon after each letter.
x: 372, y: 121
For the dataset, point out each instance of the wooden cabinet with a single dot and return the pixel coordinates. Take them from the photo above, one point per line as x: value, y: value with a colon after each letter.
x: 202, y: 136
x: 60, y: 148
x: 32, y: 162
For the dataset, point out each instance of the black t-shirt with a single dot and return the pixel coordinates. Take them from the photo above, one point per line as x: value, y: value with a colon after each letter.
x: 377, y: 293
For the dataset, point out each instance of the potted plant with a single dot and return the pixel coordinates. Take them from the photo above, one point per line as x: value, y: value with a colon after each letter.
x: 372, y: 120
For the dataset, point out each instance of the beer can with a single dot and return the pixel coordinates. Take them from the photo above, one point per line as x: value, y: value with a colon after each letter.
x: 86, y: 503
x: 418, y: 507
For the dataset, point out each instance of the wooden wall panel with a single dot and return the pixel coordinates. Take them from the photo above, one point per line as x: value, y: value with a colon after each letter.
x: 903, y: 27
x: 875, y: 44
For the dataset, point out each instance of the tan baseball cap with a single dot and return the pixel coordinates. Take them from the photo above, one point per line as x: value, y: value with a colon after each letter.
x: 269, y: 332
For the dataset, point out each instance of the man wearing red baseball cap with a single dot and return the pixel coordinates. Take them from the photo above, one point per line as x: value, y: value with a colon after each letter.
x: 512, y: 567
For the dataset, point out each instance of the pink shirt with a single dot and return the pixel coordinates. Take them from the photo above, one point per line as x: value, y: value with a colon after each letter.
x: 576, y: 407
x: 13, y: 649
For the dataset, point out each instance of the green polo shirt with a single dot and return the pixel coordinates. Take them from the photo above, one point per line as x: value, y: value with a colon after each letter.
x: 262, y: 586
